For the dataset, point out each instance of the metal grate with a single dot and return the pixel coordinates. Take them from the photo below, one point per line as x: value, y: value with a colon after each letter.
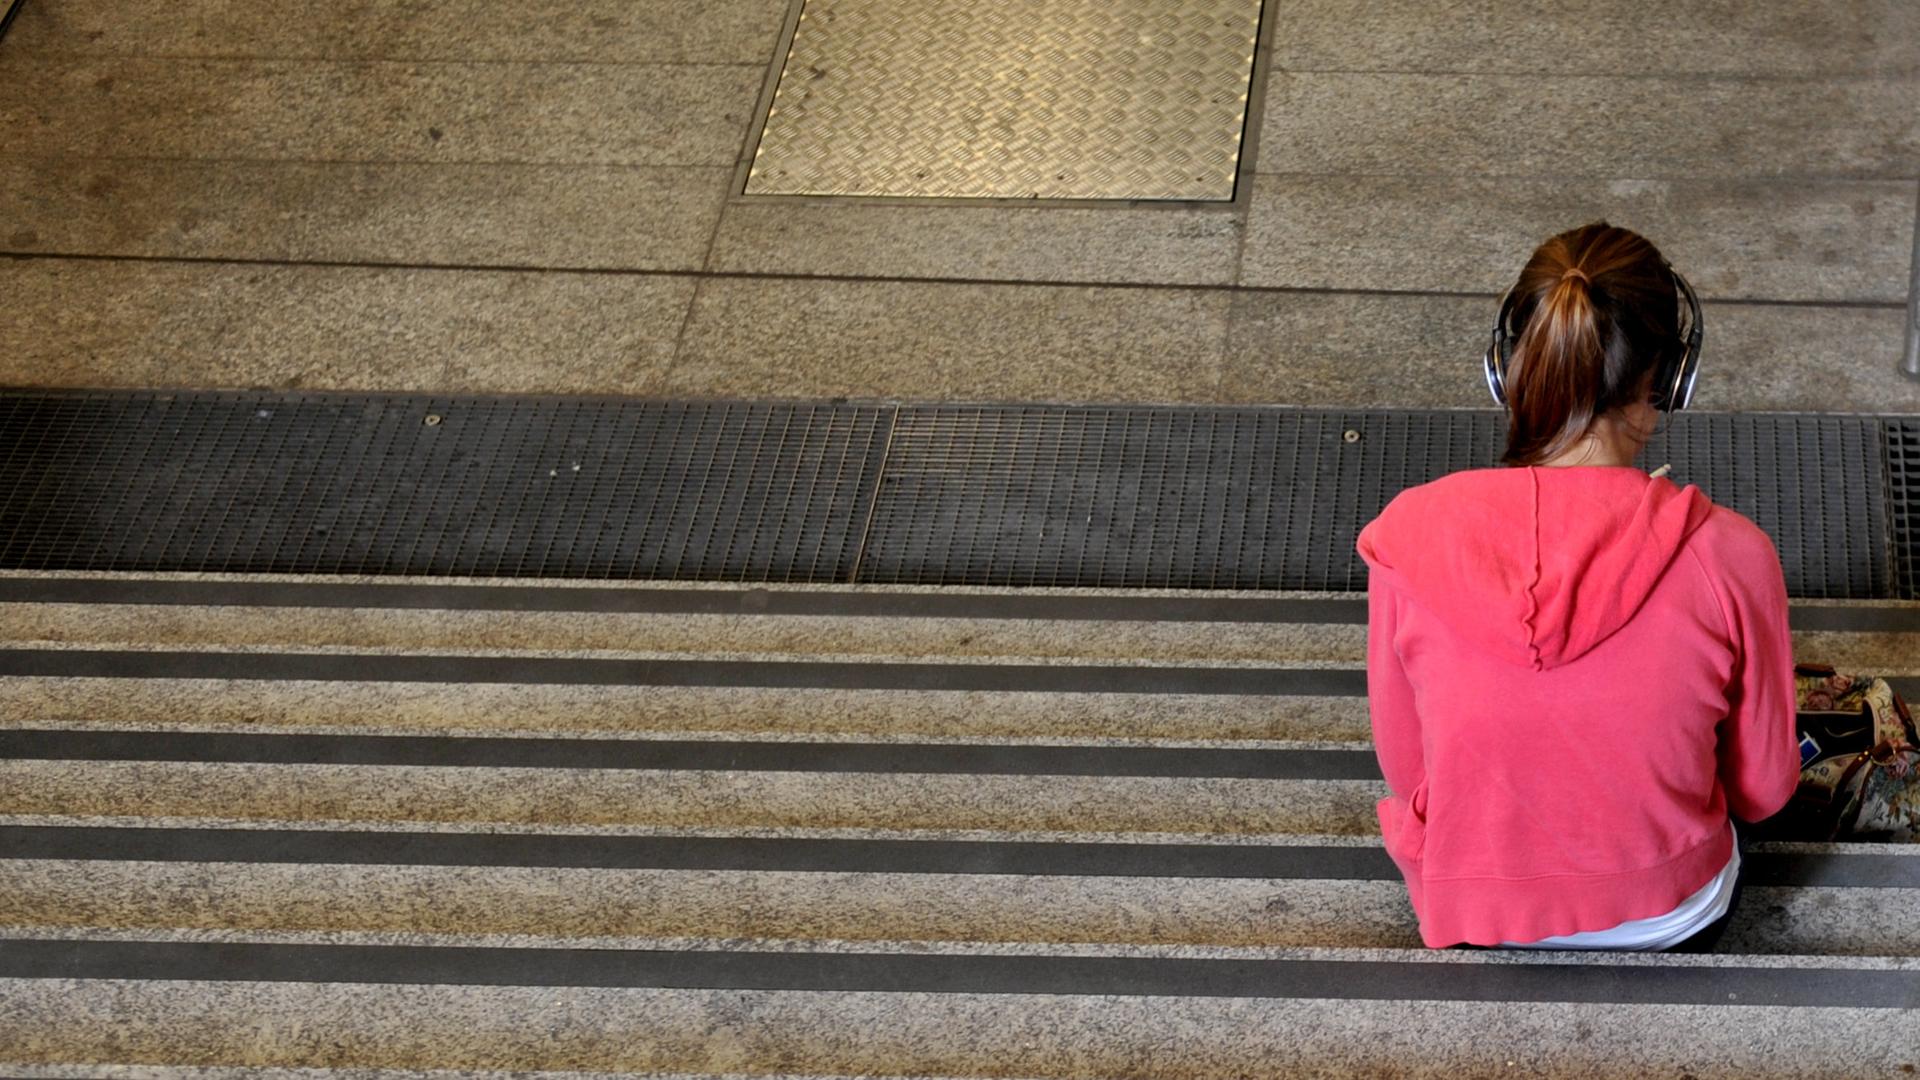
x: 1267, y: 498
x: 1156, y: 496
x: 1816, y: 484
x: 1161, y: 497
x: 1903, y: 510
x: 429, y: 485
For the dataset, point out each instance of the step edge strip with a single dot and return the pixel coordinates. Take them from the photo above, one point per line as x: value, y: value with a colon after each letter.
x: 773, y: 854
x: 715, y: 674
x: 704, y: 674
x: 1866, y: 617
x: 1477, y: 981
x: 454, y: 751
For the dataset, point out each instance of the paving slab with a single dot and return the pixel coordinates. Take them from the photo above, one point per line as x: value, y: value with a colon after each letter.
x: 1761, y: 38
x: 869, y: 238
x: 1416, y: 350
x: 577, y: 216
x: 97, y: 323
x: 1589, y: 126
x: 1734, y: 239
x: 601, y: 31
x: 324, y: 110
x: 818, y: 338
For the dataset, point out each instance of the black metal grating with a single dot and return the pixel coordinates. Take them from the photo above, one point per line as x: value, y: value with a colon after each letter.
x: 1143, y: 496
x: 1272, y: 498
x: 515, y: 487
x: 1903, y: 509
x: 1816, y: 484
x: 1151, y: 496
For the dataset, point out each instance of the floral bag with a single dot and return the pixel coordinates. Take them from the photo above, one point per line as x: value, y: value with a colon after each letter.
x: 1859, y: 761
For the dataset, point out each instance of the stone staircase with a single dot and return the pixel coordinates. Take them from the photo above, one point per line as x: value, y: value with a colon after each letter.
x: 381, y: 827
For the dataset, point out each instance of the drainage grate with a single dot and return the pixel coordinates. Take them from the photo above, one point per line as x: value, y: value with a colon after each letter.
x: 1265, y: 498
x: 1816, y: 484
x: 1903, y: 511
x: 428, y: 485
x: 1157, y: 497
x: 1145, y: 496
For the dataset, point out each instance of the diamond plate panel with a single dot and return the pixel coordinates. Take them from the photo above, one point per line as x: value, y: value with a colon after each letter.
x: 1051, y: 99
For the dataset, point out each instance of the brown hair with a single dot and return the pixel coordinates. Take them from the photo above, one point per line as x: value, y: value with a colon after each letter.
x: 1595, y: 313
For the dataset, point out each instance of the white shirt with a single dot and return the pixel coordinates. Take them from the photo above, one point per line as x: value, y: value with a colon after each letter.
x: 1693, y: 915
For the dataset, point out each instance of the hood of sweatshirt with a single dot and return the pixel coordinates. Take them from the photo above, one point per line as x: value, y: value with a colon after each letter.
x: 1539, y: 564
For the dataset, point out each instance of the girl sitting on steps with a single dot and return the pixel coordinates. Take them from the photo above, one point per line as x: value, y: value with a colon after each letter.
x: 1577, y: 674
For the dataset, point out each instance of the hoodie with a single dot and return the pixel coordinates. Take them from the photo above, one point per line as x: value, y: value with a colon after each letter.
x: 1574, y: 675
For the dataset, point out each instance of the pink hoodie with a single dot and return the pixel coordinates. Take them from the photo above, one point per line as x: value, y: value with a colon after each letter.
x: 1574, y: 674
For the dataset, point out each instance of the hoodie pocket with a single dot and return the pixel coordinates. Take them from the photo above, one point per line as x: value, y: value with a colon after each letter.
x: 1403, y: 825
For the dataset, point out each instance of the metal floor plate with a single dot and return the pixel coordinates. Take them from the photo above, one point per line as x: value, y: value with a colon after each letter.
x: 1156, y: 496
x: 1076, y: 99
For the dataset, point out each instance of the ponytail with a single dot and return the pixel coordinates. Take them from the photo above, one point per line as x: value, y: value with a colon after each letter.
x: 1597, y: 314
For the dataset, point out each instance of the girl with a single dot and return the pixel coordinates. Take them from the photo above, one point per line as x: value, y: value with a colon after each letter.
x: 1577, y: 673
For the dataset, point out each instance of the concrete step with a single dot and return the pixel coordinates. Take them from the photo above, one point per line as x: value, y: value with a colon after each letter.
x: 819, y: 620
x: 298, y: 613
x: 213, y: 704
x: 625, y: 693
x: 972, y: 1010
x: 620, y: 798
x: 358, y: 825
x: 1835, y: 900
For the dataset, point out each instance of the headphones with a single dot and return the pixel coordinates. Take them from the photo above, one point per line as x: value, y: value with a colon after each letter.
x: 1672, y: 380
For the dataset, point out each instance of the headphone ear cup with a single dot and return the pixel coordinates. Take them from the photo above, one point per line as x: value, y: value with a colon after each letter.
x: 1684, y: 378
x: 1499, y: 352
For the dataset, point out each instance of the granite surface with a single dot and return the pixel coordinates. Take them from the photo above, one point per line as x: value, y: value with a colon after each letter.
x: 816, y: 338
x: 502, y: 709
x: 648, y: 218
x: 116, y: 323
x: 676, y: 798
x: 1440, y: 961
x: 720, y: 832
x: 1359, y: 349
x: 559, y: 904
x: 599, y: 31
x: 556, y: 906
x: 1734, y: 239
x: 903, y: 1033
x: 113, y: 323
x: 1394, y: 350
x: 1773, y: 38
x: 427, y: 630
x: 872, y: 238
x: 379, y: 111
x: 1642, y: 127
x: 1770, y: 151
x: 1812, y: 921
